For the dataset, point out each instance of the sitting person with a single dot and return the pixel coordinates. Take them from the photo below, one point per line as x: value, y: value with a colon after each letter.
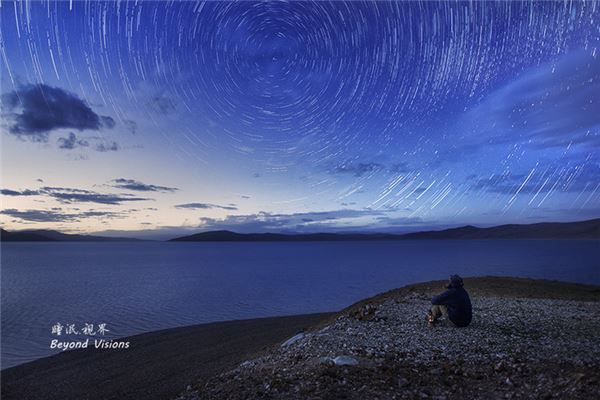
x: 454, y: 304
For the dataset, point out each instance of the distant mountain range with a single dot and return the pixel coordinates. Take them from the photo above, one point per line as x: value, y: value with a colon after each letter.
x: 589, y: 229
x: 43, y: 235
x: 548, y: 230
x: 551, y: 230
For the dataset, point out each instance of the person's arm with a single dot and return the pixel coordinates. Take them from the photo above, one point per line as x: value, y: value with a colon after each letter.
x: 441, y: 299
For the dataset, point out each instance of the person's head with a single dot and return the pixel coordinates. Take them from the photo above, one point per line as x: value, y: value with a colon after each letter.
x: 455, y: 281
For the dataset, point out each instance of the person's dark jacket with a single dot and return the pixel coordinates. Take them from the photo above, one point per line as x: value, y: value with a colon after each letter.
x: 457, y: 302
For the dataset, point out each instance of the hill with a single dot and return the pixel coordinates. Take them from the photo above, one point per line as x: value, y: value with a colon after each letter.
x: 44, y: 235
x: 548, y: 230
x: 589, y: 229
x: 228, y: 236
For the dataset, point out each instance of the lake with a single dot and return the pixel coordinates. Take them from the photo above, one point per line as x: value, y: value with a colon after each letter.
x: 135, y: 287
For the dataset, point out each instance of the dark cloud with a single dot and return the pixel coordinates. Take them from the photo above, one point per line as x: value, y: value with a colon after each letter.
x: 296, y: 222
x: 564, y: 179
x: 101, y: 214
x: 400, y: 168
x: 162, y: 104
x: 70, y: 195
x: 105, y: 147
x: 71, y: 142
x: 39, y: 215
x: 131, y: 184
x: 499, y: 183
x: 107, y: 122
x: 56, y: 215
x: 358, y: 169
x: 130, y: 125
x: 35, y: 110
x: 26, y: 192
x: 87, y: 196
x: 205, y: 206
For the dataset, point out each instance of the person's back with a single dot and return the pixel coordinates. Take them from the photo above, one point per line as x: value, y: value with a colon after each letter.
x: 454, y: 302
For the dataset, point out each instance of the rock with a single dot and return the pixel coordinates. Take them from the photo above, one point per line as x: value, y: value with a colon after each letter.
x: 325, y: 361
x: 578, y: 377
x: 365, y: 313
x: 345, y: 360
x: 403, y: 382
x: 293, y: 339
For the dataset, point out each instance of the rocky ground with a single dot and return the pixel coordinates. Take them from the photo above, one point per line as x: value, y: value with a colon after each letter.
x: 382, y: 348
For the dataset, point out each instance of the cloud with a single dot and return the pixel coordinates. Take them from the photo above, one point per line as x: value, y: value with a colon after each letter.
x: 72, y: 195
x: 108, y: 146
x: 205, y: 206
x: 130, y: 125
x: 35, y: 110
x: 68, y: 195
x: 400, y: 168
x: 71, y: 142
x: 576, y: 178
x: 358, y: 169
x: 107, y: 122
x: 56, y: 215
x: 39, y: 215
x: 131, y: 184
x: 297, y: 222
x: 102, y: 214
x: 26, y: 192
x: 162, y: 104
x: 552, y: 105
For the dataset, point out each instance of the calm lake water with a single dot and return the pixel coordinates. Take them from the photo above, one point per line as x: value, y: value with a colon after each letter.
x: 140, y: 287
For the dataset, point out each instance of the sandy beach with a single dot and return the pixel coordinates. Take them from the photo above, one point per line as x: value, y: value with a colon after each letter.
x: 395, y: 351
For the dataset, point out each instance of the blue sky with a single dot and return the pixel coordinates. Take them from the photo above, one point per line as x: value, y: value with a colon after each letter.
x: 161, y: 118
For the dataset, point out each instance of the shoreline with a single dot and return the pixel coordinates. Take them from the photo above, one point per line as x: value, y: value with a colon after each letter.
x: 161, y: 364
x: 158, y: 364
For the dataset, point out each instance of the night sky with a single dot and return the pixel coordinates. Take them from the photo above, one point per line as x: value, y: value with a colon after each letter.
x: 171, y: 117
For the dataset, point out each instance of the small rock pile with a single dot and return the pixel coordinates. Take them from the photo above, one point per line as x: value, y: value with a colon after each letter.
x: 514, y: 348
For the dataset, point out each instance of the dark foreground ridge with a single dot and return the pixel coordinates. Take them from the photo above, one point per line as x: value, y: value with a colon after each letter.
x: 528, y: 339
x: 397, y: 353
x: 552, y: 230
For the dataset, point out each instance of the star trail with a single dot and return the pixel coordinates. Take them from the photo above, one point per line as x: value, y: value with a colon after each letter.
x: 299, y: 116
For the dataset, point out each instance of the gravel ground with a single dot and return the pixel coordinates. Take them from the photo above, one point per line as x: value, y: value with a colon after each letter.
x: 383, y: 349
